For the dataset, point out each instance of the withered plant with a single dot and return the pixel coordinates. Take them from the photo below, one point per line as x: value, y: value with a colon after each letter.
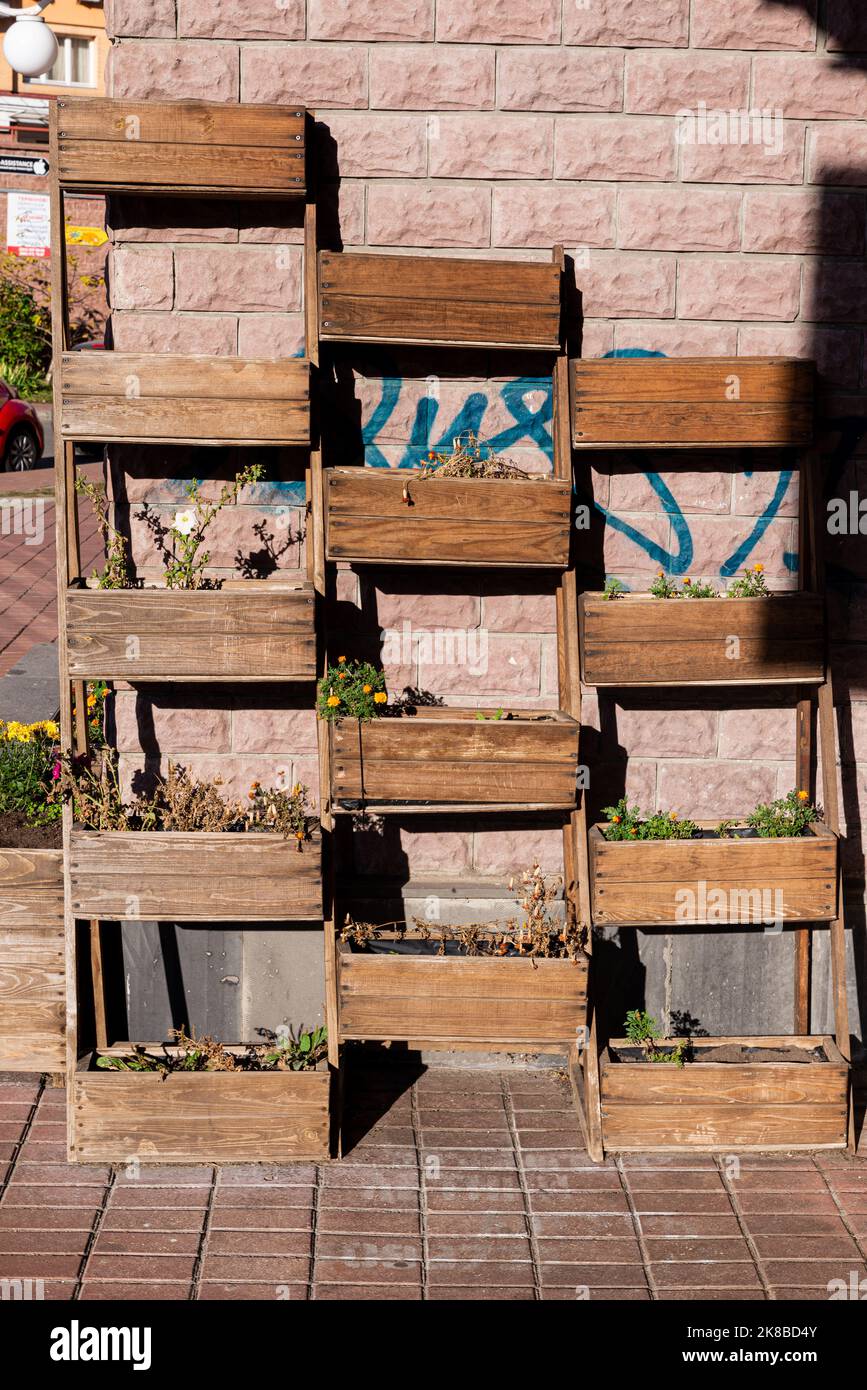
x: 115, y: 572
x: 470, y: 458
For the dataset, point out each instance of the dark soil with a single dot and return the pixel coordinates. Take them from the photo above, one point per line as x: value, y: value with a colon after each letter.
x: 735, y: 1053
x: 15, y: 833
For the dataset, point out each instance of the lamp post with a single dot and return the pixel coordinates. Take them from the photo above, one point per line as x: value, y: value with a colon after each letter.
x: 29, y: 46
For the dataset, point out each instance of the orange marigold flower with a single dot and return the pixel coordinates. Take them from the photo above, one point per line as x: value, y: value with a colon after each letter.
x: 616, y: 820
x: 632, y: 830
x: 341, y: 675
x: 758, y: 568
x: 91, y: 701
x: 367, y: 689
x: 340, y: 660
x: 333, y: 701
x: 803, y: 796
x: 687, y: 581
x: 380, y: 697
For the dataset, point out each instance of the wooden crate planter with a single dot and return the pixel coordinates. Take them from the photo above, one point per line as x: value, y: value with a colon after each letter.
x: 640, y: 640
x: 196, y: 147
x: 247, y: 630
x: 692, y: 402
x: 461, y: 999
x: 707, y: 1105
x: 170, y: 399
x: 200, y: 1117
x: 447, y: 301
x: 440, y: 758
x: 683, y: 883
x: 32, y: 973
x: 374, y: 515
x: 194, y: 876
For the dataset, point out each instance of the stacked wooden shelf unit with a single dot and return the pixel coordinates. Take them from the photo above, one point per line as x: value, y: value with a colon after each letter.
x: 450, y: 759
x: 636, y: 642
x: 250, y: 631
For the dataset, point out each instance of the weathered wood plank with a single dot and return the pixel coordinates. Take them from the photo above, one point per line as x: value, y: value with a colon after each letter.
x: 160, y: 633
x: 189, y: 877
x: 423, y: 299
x: 639, y: 640
x: 134, y: 375
x: 32, y: 969
x: 172, y: 421
x: 681, y: 402
x: 210, y: 1117
x: 104, y: 144
x: 374, y: 515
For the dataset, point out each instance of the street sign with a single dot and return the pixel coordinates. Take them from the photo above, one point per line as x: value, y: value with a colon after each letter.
x: 23, y: 164
x: 28, y: 224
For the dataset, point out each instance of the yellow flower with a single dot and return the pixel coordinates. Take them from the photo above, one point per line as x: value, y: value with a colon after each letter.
x: 367, y: 689
x: 380, y: 697
x: 758, y: 568
x: 91, y: 701
x: 687, y: 581
x: 803, y: 796
x: 333, y: 701
x: 340, y: 660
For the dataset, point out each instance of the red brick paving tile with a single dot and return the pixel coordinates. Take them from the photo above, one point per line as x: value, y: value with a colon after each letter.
x: 487, y: 1294
x: 358, y: 1175
x: 133, y: 1198
x: 469, y: 1223
x: 47, y: 1218
x: 335, y: 1271
x: 493, y: 1161
x: 222, y: 1242
x: 459, y: 1082
x: 807, y: 1247
x: 166, y: 1175
x: 151, y: 1219
x: 39, y: 1151
x: 539, y: 1162
x: 99, y: 1290
x: 464, y: 1119
x: 734, y: 1274
x: 452, y: 1199
x: 853, y: 1201
x: 846, y: 1180
x: 146, y: 1242
x: 458, y: 1274
x: 257, y: 1269
x: 147, y: 1268
x: 19, y: 1092
x: 380, y: 1136
x: 693, y: 1225
x: 667, y: 1181
x: 581, y: 1225
x: 376, y: 1223
x: 368, y: 1199
x: 36, y: 1266
x: 666, y: 1249
x: 63, y: 1174
x: 387, y: 1155
x: 534, y: 1140
x: 678, y: 1203
x: 821, y: 1203
x: 362, y: 1246
x: 589, y: 1250
x: 470, y: 1178
x: 579, y: 1203
x: 780, y: 1180
x: 210, y: 1290
x: 30, y: 1242
x: 801, y: 1293
x: 7, y: 1152
x: 288, y: 1199
x: 552, y: 1292
x: 262, y: 1218
x: 492, y: 1141
x: 686, y: 1160
x: 479, y: 1248
x: 11, y: 1130
x: 709, y: 1295
x: 21, y: 1194
x: 52, y: 1290
x: 791, y: 1224
x: 267, y: 1175
x: 812, y: 1272
x: 334, y: 1293
x: 599, y: 1276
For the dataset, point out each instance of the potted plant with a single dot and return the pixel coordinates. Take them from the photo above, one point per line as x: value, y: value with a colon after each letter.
x: 466, y: 507
x: 715, y: 1093
x: 389, y: 757
x: 200, y: 1101
x: 196, y: 627
x: 779, y: 864
x: 185, y: 853
x: 518, y: 984
x: 32, y: 1003
x: 746, y: 635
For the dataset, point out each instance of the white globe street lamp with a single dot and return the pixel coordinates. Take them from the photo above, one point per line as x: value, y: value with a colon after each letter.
x: 29, y: 46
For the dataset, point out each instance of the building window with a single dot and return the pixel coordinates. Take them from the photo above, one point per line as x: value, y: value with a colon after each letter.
x: 74, y: 65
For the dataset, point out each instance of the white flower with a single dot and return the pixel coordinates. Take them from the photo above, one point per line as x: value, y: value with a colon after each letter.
x: 184, y: 523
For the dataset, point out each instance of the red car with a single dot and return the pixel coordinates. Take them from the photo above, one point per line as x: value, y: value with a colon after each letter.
x: 21, y: 437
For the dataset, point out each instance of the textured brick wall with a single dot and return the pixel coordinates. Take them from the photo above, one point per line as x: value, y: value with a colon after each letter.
x: 500, y: 127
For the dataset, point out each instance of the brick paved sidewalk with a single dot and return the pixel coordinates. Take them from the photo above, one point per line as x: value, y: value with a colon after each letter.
x: 28, y: 576
x: 458, y: 1184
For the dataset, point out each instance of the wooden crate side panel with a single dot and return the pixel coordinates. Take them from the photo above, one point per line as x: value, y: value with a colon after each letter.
x: 482, y: 740
x: 427, y: 299
x: 201, y: 633
x: 685, y: 402
x: 155, y: 876
x: 170, y: 376
x: 461, y: 999
x: 216, y: 1118
x: 642, y: 641
x: 31, y: 888
x: 185, y: 421
x: 805, y: 1126
x: 32, y: 997
x: 177, y: 146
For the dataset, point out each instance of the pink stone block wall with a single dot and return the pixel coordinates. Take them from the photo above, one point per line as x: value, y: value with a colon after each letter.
x: 495, y: 129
